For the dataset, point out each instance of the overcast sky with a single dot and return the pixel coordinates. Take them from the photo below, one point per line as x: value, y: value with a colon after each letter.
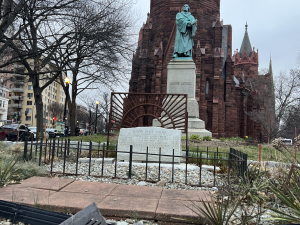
x: 273, y: 28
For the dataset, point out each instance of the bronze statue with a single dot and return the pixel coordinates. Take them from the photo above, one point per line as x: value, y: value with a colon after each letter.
x: 186, y: 26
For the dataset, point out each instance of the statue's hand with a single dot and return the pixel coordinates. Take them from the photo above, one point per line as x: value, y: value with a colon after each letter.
x: 195, y: 21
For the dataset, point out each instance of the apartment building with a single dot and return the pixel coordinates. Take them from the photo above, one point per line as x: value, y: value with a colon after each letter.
x: 22, y: 104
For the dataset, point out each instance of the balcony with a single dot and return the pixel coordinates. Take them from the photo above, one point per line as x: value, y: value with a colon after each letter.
x: 15, y: 112
x: 16, y: 98
x: 20, y: 82
x: 18, y: 66
x: 19, y: 75
x: 20, y: 106
x: 17, y: 90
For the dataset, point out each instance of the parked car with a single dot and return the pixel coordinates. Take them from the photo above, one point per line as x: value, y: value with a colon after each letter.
x: 52, y: 132
x: 33, y: 130
x: 83, y: 132
x: 11, y: 132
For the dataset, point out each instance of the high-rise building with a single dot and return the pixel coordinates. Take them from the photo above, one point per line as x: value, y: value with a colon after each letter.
x: 22, y: 103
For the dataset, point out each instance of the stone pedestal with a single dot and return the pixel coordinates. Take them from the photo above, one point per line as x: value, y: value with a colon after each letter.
x: 182, y: 80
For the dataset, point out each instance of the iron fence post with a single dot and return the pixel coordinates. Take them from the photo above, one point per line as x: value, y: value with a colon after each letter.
x: 25, y: 149
x: 30, y: 156
x: 116, y: 160
x: 53, y: 154
x: 159, y: 164
x: 186, y: 163
x: 245, y: 165
x: 230, y: 157
x: 90, y: 156
x: 147, y: 163
x: 77, y: 157
x: 130, y: 162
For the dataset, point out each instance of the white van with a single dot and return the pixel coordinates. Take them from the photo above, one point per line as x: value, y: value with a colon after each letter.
x: 286, y: 141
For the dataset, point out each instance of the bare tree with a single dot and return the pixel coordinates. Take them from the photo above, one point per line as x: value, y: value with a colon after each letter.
x: 103, y: 108
x: 274, y: 102
x: 290, y: 121
x: 56, y: 110
x: 99, y: 47
x: 33, y: 44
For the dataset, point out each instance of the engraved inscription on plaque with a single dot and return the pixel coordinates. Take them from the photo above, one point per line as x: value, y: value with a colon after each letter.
x: 180, y: 83
x: 153, y: 138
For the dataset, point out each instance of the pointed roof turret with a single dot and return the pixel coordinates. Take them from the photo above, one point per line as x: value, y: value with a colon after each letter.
x: 270, y: 67
x: 246, y: 45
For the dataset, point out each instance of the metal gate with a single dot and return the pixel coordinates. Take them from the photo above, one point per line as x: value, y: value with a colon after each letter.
x: 140, y: 109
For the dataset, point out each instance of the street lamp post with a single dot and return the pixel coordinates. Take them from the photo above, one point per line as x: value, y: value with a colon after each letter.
x: 67, y: 81
x: 97, y: 103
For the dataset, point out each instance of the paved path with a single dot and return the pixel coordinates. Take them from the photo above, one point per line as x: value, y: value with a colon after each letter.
x: 123, y: 201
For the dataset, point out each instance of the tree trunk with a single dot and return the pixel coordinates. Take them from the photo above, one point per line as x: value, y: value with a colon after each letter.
x: 39, y: 111
x: 73, y: 115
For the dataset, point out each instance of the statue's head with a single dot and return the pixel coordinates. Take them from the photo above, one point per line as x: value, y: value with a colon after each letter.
x: 186, y: 8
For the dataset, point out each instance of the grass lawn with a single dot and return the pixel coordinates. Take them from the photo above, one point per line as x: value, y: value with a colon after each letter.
x: 268, y: 153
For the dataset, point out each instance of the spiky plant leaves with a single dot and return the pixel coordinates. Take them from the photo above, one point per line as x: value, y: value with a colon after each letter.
x: 7, y: 171
x: 289, y: 198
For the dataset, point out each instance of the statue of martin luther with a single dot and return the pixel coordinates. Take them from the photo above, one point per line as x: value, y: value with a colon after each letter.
x: 186, y: 26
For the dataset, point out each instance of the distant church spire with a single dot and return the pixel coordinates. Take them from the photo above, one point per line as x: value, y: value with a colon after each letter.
x: 246, y: 45
x: 270, y: 67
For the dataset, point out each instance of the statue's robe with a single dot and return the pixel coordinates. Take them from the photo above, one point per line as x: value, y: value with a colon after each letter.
x: 184, y: 35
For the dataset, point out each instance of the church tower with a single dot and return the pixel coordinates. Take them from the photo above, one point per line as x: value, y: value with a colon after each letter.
x: 223, y: 87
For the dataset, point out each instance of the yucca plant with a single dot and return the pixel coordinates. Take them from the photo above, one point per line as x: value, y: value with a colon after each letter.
x: 289, y: 198
x: 220, y: 213
x: 7, y: 171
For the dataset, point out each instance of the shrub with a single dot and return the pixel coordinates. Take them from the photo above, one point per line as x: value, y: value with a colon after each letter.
x: 207, y: 138
x: 195, y: 137
x: 222, y: 139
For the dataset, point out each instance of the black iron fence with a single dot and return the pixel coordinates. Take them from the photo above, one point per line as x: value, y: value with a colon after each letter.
x: 79, y: 159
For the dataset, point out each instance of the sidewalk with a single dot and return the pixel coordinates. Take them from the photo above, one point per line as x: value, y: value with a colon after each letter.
x: 113, y: 201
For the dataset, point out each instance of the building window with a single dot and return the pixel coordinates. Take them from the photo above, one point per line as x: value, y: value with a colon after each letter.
x: 29, y: 95
x: 29, y: 110
x: 0, y: 103
x: 3, y: 103
x: 1, y: 92
x: 49, y: 94
x: 207, y: 87
x: 28, y: 118
x: 29, y: 102
x: 30, y: 87
x: 10, y: 86
x: 53, y: 96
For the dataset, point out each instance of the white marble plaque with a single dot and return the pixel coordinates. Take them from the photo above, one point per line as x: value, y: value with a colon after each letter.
x: 153, y: 138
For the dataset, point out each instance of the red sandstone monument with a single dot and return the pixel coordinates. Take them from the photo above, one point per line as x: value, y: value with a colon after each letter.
x: 224, y: 78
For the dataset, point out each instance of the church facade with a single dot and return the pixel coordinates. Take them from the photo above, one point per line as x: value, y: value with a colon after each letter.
x: 224, y: 78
